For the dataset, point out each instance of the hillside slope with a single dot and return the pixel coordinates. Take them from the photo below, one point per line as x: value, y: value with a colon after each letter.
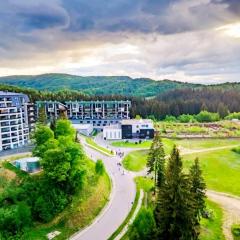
x: 105, y: 85
x: 99, y: 85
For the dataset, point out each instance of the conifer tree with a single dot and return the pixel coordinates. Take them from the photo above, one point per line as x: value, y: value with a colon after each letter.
x: 156, y: 160
x: 42, y: 118
x: 174, y: 212
x: 198, y: 188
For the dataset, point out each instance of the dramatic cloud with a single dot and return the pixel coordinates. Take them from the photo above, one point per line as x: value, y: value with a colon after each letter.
x: 197, y: 40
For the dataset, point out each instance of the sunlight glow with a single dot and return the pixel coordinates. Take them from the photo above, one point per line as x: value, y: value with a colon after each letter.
x: 232, y: 30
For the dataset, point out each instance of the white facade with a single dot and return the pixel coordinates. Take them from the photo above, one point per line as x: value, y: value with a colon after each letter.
x: 113, y: 132
x: 14, y: 129
x: 138, y: 124
x: 85, y: 129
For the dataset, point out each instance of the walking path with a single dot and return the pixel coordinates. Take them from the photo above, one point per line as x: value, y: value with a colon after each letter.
x: 122, y: 197
x: 125, y: 229
x: 185, y: 151
x: 231, y: 206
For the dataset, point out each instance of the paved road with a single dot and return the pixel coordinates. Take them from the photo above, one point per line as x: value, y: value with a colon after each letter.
x: 120, y: 204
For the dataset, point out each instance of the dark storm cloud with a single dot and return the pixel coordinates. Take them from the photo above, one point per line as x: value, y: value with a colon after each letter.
x: 148, y: 37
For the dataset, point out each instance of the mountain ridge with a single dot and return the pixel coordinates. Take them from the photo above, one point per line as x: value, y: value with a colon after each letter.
x: 104, y: 85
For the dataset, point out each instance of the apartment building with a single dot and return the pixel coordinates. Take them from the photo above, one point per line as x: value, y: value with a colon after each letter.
x: 97, y: 113
x: 51, y: 108
x: 15, y: 122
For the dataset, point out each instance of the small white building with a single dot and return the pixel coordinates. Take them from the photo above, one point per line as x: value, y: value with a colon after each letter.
x: 112, y: 132
x: 29, y: 164
x: 85, y: 129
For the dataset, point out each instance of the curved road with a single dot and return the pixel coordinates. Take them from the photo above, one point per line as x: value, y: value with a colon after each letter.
x: 231, y: 208
x: 122, y: 197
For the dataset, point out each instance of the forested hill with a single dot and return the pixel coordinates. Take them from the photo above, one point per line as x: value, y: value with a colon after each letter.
x: 99, y: 85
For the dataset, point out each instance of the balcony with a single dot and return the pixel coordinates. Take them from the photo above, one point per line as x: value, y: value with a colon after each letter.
x: 5, y: 136
x: 5, y: 124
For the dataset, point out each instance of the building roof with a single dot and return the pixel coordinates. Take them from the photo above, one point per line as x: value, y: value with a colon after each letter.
x: 136, y: 121
x: 80, y: 126
x: 14, y: 96
x: 28, y: 159
x: 113, y: 126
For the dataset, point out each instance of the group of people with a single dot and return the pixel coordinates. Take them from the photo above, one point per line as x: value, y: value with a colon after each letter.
x: 120, y: 154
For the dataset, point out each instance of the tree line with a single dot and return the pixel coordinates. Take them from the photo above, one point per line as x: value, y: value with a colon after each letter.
x: 174, y: 102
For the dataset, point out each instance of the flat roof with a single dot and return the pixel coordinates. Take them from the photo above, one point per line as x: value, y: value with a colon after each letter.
x: 28, y: 159
x: 13, y: 94
x: 81, y: 126
x: 136, y: 121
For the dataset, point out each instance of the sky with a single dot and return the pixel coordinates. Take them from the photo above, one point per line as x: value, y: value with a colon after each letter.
x: 186, y: 40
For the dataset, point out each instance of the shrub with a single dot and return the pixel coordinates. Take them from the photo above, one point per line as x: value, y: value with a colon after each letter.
x: 236, y: 230
x: 170, y: 118
x: 205, y: 116
x: 13, y: 219
x: 99, y: 167
x: 186, y: 118
x: 235, y: 115
x: 236, y: 150
x: 144, y: 226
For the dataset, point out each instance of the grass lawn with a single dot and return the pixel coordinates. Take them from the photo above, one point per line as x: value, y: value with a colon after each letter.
x: 206, y: 143
x: 135, y: 160
x: 168, y: 144
x: 221, y: 169
x: 91, y: 142
x: 131, y: 144
x: 144, y: 183
x: 211, y: 229
x: 83, y: 209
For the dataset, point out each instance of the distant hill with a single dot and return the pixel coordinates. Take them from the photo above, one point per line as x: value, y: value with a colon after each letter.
x: 99, y: 85
x: 104, y: 85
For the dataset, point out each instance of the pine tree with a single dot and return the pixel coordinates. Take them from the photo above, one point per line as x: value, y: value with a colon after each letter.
x: 156, y: 160
x: 174, y: 212
x: 198, y: 188
x: 53, y: 124
x: 42, y: 118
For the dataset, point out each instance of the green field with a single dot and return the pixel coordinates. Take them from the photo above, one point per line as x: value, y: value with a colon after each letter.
x: 206, y: 143
x: 136, y: 160
x: 211, y: 229
x: 131, y: 144
x: 94, y: 145
x: 168, y: 144
x: 221, y: 169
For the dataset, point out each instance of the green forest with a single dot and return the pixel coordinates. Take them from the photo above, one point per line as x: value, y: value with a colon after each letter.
x: 102, y: 85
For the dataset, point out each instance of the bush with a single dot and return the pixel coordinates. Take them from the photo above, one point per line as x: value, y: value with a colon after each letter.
x: 144, y: 226
x: 186, y: 118
x: 205, y: 116
x: 235, y: 115
x: 170, y: 118
x: 236, y: 150
x: 13, y: 219
x: 99, y: 167
x: 236, y: 230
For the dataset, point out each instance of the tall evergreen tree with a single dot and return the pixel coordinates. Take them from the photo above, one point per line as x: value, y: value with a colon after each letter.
x: 42, y: 118
x: 175, y: 206
x: 156, y: 160
x: 198, y: 189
